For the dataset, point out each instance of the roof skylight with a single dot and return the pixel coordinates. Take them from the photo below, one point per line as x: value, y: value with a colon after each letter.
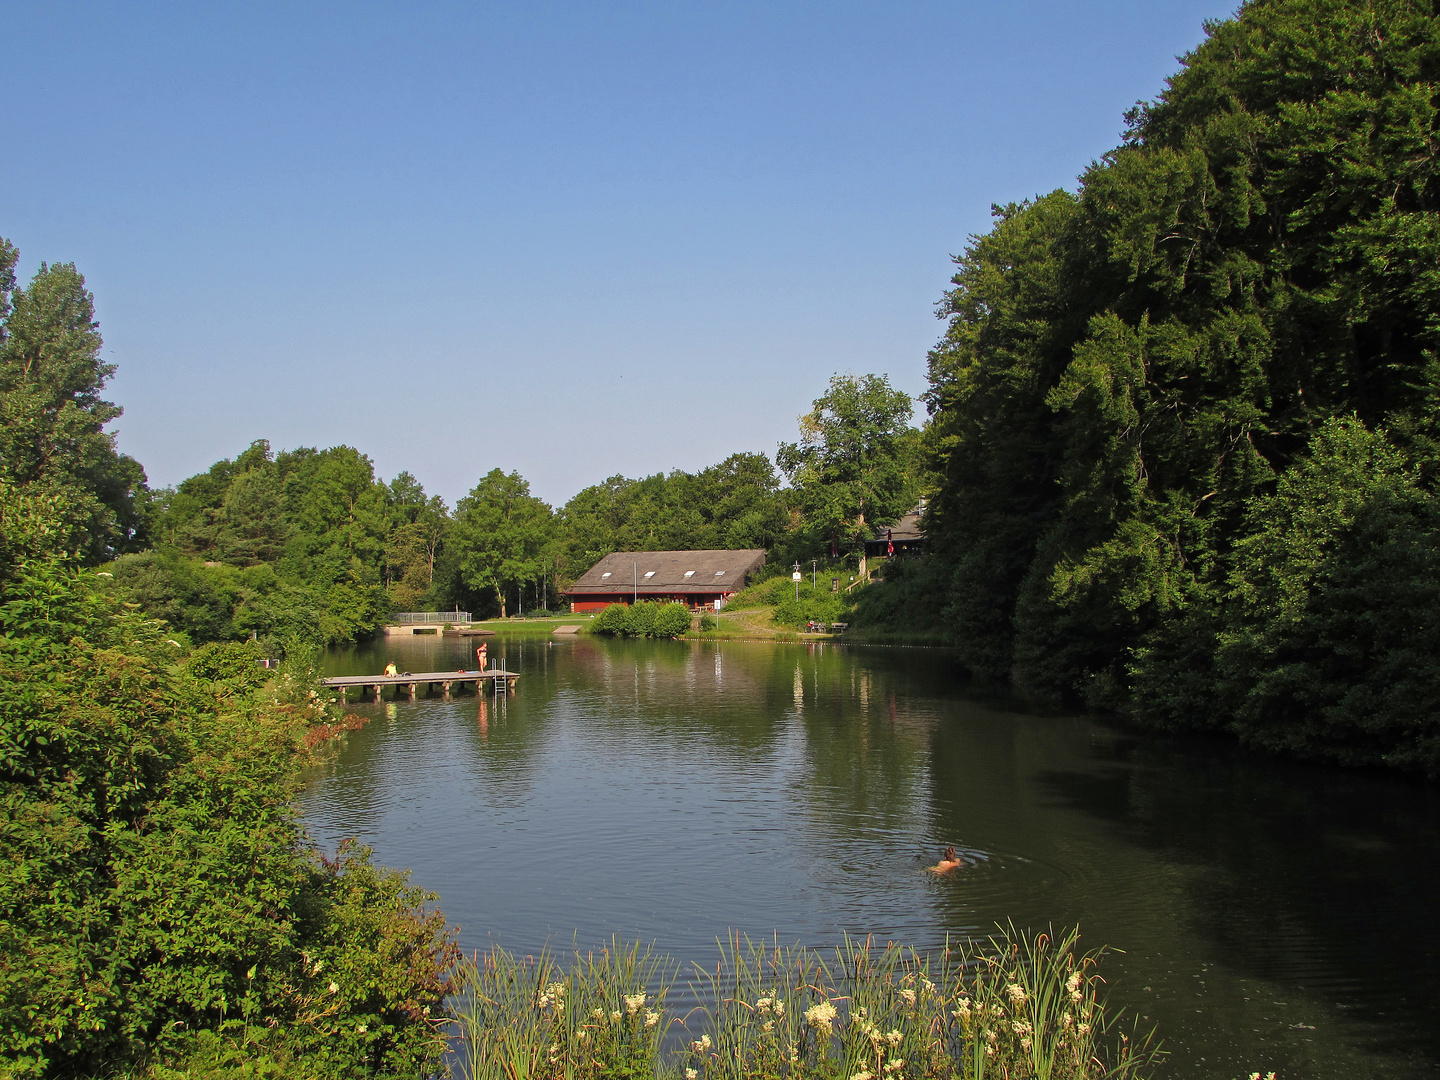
x: 605, y: 574
x: 649, y: 573
x: 689, y: 573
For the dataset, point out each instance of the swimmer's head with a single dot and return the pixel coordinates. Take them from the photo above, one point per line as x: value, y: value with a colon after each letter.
x: 950, y: 854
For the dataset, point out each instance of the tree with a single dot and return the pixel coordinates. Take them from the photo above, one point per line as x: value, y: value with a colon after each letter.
x: 502, y: 536
x: 52, y: 417
x: 417, y: 529
x: 154, y: 882
x: 1127, y: 368
x: 849, y: 468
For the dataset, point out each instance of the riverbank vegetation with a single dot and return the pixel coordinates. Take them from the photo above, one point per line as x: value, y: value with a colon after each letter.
x: 158, y: 902
x: 1017, y: 1005
x: 645, y: 619
x: 1186, y: 416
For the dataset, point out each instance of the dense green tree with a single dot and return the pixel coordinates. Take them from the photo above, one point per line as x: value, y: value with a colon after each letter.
x: 52, y: 417
x: 418, y: 527
x: 1127, y: 369
x: 851, y: 470
x: 501, y: 537
x: 157, y: 897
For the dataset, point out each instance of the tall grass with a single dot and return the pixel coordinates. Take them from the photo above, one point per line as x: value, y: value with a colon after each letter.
x: 1016, y: 1006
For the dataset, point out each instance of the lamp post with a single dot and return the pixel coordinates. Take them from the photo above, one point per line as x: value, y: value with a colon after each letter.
x: 795, y: 577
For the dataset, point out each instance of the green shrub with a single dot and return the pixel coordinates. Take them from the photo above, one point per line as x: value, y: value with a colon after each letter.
x: 154, y: 884
x: 671, y: 621
x: 708, y: 622
x: 613, y: 620
x: 645, y: 619
x: 910, y: 597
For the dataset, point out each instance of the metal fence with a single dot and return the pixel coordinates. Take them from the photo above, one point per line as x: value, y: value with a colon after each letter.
x: 402, y: 618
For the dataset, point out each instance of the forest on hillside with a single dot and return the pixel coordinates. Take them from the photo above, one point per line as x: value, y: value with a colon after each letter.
x: 1186, y: 415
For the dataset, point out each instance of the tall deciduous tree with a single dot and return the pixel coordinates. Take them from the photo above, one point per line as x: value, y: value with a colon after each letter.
x: 849, y: 468
x: 52, y: 417
x: 502, y: 536
x: 1130, y: 370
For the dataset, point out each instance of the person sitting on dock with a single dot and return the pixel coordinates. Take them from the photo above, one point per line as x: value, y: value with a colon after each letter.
x: 948, y: 861
x: 391, y: 669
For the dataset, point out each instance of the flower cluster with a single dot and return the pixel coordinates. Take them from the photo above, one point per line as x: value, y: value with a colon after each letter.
x: 821, y: 1015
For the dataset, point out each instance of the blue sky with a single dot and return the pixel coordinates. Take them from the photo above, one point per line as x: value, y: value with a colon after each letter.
x: 572, y: 239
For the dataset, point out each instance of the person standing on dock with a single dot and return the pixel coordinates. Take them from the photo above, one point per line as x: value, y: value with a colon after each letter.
x: 481, y: 655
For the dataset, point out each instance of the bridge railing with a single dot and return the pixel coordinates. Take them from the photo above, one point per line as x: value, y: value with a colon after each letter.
x: 403, y: 618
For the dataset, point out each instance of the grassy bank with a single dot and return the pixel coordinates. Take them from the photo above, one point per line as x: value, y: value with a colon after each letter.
x: 1018, y: 1006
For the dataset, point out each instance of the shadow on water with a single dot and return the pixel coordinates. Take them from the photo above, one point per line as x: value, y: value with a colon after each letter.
x: 1273, y: 916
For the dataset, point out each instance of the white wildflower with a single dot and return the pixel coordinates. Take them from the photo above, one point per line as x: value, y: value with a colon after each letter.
x: 894, y: 1065
x: 633, y: 1003
x: 701, y: 1044
x: 1081, y: 1029
x: 615, y: 1016
x: 962, y: 1008
x: 691, y: 1074
x: 1017, y: 993
x: 362, y: 1029
x: 334, y: 989
x: 763, y: 1004
x: 598, y: 1014
x: 895, y: 1037
x: 1025, y: 1044
x: 1072, y: 984
x: 908, y: 996
x: 768, y: 1026
x: 821, y: 1016
x: 651, y: 1018
x: 863, y: 1075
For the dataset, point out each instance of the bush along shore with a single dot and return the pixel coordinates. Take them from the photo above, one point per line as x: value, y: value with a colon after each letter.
x: 161, y: 911
x: 1018, y: 1006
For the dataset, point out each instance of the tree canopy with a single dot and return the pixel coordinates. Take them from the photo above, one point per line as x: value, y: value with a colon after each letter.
x: 1130, y: 371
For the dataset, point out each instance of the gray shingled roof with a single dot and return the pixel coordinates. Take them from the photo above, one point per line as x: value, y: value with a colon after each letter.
x: 670, y: 571
x: 907, y: 528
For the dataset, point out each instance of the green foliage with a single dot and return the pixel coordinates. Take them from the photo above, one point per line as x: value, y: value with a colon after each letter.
x: 154, y: 884
x: 733, y: 505
x: 501, y: 536
x: 795, y: 606
x: 645, y: 619
x: 909, y: 598
x: 1323, y: 644
x: 855, y: 463
x: 1127, y: 370
x: 1020, y: 1006
x: 52, y: 418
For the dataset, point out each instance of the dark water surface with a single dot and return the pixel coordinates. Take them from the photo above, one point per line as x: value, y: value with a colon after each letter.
x: 1273, y: 916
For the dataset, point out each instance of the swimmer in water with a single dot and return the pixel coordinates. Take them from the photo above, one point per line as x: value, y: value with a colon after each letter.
x: 948, y: 861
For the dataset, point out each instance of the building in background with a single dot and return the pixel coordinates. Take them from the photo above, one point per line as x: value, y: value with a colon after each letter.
x: 902, y: 538
x: 699, y: 579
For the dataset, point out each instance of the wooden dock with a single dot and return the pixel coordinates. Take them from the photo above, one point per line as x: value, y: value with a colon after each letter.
x: 499, y: 680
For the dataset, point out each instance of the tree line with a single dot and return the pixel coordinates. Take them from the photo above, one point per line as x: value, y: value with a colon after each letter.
x: 309, y: 546
x: 1188, y: 416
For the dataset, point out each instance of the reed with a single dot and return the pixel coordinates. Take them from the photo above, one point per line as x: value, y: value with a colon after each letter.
x: 1016, y: 1006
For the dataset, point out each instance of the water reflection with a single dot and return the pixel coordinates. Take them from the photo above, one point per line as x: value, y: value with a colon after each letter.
x: 671, y: 791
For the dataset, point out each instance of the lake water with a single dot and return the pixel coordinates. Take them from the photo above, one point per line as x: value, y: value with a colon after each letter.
x: 1272, y: 915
